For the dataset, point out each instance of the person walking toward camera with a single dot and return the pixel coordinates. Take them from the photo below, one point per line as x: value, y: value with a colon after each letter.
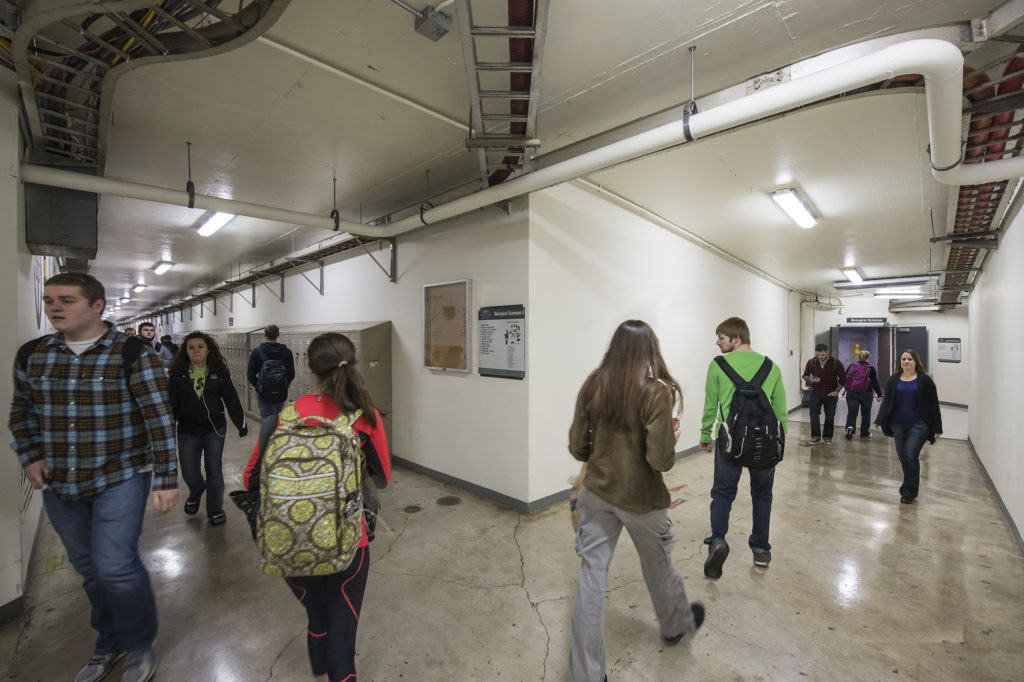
x: 825, y: 376
x: 93, y: 428
x: 623, y: 429
x: 200, y: 388
x: 910, y: 415
x: 861, y: 385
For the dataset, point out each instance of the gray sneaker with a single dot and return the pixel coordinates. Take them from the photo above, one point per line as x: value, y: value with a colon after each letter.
x: 762, y: 557
x: 139, y: 666
x: 98, y: 667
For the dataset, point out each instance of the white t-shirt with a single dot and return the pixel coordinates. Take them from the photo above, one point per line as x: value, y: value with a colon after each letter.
x: 79, y: 347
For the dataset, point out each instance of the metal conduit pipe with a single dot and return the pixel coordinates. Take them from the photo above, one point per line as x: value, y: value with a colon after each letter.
x: 938, y: 61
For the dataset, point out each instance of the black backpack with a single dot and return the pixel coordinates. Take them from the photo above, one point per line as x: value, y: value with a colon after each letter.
x: 752, y: 436
x: 272, y: 381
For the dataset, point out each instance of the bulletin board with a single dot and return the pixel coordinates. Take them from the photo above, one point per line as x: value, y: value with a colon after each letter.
x: 446, y: 307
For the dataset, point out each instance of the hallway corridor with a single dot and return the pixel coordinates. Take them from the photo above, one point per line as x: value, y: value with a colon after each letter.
x: 860, y: 588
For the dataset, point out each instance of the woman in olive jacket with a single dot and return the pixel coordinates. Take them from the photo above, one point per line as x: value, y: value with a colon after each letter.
x: 200, y: 388
x: 910, y: 414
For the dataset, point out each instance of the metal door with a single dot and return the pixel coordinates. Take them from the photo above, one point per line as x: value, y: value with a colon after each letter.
x: 913, y: 337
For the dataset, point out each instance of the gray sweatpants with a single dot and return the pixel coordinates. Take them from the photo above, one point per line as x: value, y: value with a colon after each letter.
x: 654, y: 538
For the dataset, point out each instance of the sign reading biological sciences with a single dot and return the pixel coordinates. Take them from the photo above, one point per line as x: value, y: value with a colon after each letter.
x: 867, y: 320
x: 502, y: 341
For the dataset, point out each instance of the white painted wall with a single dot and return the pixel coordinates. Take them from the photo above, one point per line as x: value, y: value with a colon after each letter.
x: 951, y: 379
x: 593, y: 265
x: 463, y: 425
x: 17, y: 526
x: 997, y: 430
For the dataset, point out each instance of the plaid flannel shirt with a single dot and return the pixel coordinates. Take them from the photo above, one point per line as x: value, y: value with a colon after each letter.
x: 94, y: 426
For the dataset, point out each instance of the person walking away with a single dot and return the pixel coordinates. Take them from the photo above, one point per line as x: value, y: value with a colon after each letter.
x: 201, y: 389
x: 825, y: 376
x: 623, y: 429
x: 333, y: 601
x: 910, y: 415
x: 93, y: 428
x: 733, y: 339
x: 271, y: 370
x: 861, y: 385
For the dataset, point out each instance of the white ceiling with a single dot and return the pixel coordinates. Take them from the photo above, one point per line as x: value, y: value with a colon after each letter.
x: 269, y: 128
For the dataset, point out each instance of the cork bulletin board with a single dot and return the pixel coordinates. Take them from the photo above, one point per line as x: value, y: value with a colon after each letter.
x: 446, y: 307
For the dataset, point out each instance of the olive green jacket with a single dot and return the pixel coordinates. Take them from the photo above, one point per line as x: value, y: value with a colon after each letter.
x: 624, y: 467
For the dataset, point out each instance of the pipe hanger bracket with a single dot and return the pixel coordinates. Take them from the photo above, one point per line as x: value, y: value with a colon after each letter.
x: 937, y: 169
x: 424, y: 207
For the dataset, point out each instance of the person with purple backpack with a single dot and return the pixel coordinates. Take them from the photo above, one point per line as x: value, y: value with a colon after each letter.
x: 861, y: 384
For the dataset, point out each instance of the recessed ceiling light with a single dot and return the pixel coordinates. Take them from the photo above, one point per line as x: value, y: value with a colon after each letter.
x: 851, y: 274
x: 138, y: 287
x: 162, y: 266
x: 790, y: 202
x: 214, y: 223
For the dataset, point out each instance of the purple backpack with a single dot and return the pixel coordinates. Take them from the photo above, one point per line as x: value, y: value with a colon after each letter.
x: 858, y: 377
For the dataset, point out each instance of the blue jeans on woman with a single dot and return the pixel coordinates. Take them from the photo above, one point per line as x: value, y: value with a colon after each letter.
x: 909, y: 439
x: 101, y: 536
x: 859, y: 401
x: 723, y: 492
x: 194, y: 451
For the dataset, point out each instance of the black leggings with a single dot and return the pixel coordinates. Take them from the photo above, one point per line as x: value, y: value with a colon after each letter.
x: 332, y: 603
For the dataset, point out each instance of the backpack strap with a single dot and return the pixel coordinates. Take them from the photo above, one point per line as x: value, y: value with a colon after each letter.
x: 729, y: 371
x: 762, y: 373
x: 27, y: 349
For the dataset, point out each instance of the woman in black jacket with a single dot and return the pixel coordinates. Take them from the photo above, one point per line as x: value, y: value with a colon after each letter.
x: 910, y: 414
x: 200, y: 387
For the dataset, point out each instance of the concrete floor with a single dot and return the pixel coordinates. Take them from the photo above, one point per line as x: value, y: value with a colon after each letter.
x: 860, y: 587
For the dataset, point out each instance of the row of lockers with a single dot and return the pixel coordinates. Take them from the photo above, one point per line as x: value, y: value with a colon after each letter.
x: 373, y: 355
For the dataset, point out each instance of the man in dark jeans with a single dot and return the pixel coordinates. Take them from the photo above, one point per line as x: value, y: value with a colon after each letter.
x: 733, y: 339
x: 270, y: 349
x: 825, y: 376
x: 93, y: 428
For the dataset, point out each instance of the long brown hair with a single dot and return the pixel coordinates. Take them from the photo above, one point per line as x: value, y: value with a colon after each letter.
x: 631, y: 369
x: 214, y: 360
x: 332, y: 359
x: 918, y: 365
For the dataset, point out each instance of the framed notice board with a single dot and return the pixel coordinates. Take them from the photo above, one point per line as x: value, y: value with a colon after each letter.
x: 446, y: 307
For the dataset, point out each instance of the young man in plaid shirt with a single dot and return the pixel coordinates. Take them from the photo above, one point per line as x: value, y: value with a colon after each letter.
x: 93, y: 427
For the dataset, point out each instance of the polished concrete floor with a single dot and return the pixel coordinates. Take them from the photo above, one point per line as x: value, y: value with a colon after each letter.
x: 860, y: 587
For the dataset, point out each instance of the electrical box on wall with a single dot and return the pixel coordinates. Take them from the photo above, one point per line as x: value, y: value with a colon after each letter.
x: 61, y: 222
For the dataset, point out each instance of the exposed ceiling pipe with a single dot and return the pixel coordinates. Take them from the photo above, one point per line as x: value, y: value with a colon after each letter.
x: 938, y: 61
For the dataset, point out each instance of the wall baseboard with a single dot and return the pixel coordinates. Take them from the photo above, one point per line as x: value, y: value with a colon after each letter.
x: 995, y: 493
x: 12, y: 609
x: 501, y: 498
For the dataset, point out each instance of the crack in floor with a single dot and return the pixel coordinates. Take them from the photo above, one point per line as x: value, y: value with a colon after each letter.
x: 281, y: 653
x: 398, y: 537
x: 534, y: 604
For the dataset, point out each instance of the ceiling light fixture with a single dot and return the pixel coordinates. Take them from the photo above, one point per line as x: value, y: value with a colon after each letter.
x: 790, y: 202
x: 162, y: 266
x: 900, y: 297
x: 125, y: 299
x: 851, y: 274
x: 138, y: 287
x: 884, y: 282
x: 214, y: 223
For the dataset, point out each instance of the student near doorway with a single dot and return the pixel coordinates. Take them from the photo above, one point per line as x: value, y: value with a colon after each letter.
x: 93, y: 428
x: 271, y: 370
x: 825, y: 376
x: 733, y: 339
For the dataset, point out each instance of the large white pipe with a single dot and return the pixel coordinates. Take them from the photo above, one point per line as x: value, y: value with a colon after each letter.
x: 938, y: 61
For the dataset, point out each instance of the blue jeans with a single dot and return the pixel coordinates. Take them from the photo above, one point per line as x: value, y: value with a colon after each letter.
x: 193, y: 451
x: 909, y: 439
x: 859, y: 401
x: 723, y: 492
x: 101, y: 536
x: 829, y: 402
x: 267, y: 409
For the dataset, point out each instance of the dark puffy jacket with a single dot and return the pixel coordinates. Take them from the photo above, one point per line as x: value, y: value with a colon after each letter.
x: 197, y: 416
x: 927, y: 404
x: 269, y: 350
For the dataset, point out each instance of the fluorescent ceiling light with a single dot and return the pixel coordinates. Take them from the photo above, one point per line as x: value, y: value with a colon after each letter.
x: 214, y: 223
x: 125, y: 299
x: 162, y: 266
x: 851, y: 274
x: 790, y: 202
x: 138, y: 287
x: 883, y: 282
x: 899, y: 290
x: 900, y: 297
